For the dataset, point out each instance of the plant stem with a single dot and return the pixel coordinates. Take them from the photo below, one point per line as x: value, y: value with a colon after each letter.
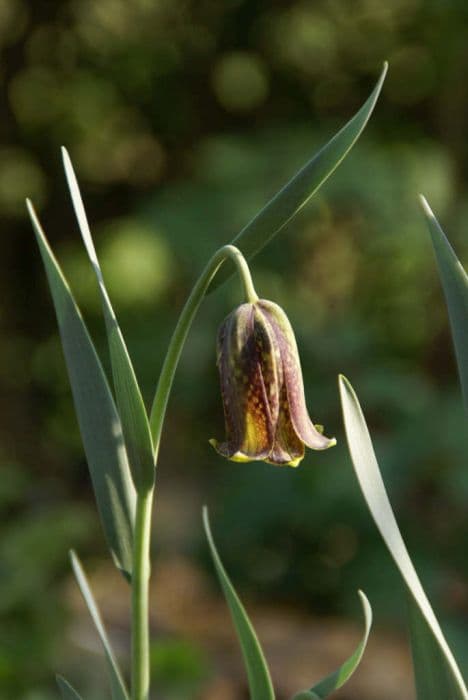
x: 142, y: 532
x: 140, y: 581
x: 176, y: 344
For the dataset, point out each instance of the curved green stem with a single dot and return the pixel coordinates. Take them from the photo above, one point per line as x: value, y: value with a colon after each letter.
x: 142, y: 531
x: 140, y: 583
x: 191, y: 307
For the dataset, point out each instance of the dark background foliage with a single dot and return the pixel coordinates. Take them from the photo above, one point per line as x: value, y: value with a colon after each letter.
x: 182, y: 119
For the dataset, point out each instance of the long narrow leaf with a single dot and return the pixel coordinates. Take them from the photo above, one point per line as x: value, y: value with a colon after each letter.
x: 132, y: 411
x: 97, y: 415
x: 455, y: 284
x: 297, y: 192
x: 431, y: 674
x: 119, y: 691
x: 345, y: 671
x: 66, y: 690
x: 258, y: 675
x: 373, y: 489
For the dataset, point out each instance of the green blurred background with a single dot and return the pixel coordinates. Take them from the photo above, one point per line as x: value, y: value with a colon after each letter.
x: 182, y: 118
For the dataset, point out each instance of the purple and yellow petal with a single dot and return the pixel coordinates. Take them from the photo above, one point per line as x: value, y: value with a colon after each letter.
x: 288, y: 449
x: 261, y: 384
x: 292, y: 372
x: 247, y: 415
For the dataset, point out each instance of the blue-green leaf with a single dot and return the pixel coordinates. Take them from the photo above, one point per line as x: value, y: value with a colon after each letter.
x: 339, y: 677
x: 258, y: 675
x: 97, y: 415
x: 443, y: 664
x: 119, y: 692
x: 132, y: 411
x: 455, y: 284
x: 297, y: 192
x: 66, y: 690
x: 431, y: 674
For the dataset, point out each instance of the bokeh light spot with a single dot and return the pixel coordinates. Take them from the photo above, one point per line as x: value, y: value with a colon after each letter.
x: 136, y: 263
x: 240, y: 81
x: 20, y: 177
x: 305, y: 39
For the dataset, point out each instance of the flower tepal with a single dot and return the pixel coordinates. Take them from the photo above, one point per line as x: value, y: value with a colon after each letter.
x: 262, y: 389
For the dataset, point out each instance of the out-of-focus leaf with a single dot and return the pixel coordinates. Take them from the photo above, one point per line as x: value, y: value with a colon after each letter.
x: 443, y: 664
x: 119, y: 692
x: 297, y: 192
x: 455, y: 284
x: 97, y: 415
x: 432, y: 676
x: 339, y: 677
x: 258, y: 674
x: 132, y: 411
x: 67, y: 691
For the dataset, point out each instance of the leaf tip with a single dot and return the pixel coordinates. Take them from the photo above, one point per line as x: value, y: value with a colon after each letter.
x: 67, y: 164
x: 34, y: 219
x: 74, y: 561
x: 425, y: 207
x: 30, y: 208
x: 366, y: 606
x: 344, y: 384
x: 381, y: 79
x: 437, y: 234
x: 384, y: 71
x: 206, y: 518
x: 208, y: 533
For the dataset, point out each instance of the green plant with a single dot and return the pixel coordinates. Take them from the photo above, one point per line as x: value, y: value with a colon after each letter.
x: 122, y: 442
x: 436, y: 672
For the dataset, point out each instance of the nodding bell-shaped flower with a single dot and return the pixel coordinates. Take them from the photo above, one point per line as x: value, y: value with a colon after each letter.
x: 262, y: 389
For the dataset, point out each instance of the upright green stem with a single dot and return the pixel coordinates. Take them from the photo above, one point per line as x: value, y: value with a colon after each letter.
x: 140, y: 611
x: 141, y: 559
x: 166, y: 378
